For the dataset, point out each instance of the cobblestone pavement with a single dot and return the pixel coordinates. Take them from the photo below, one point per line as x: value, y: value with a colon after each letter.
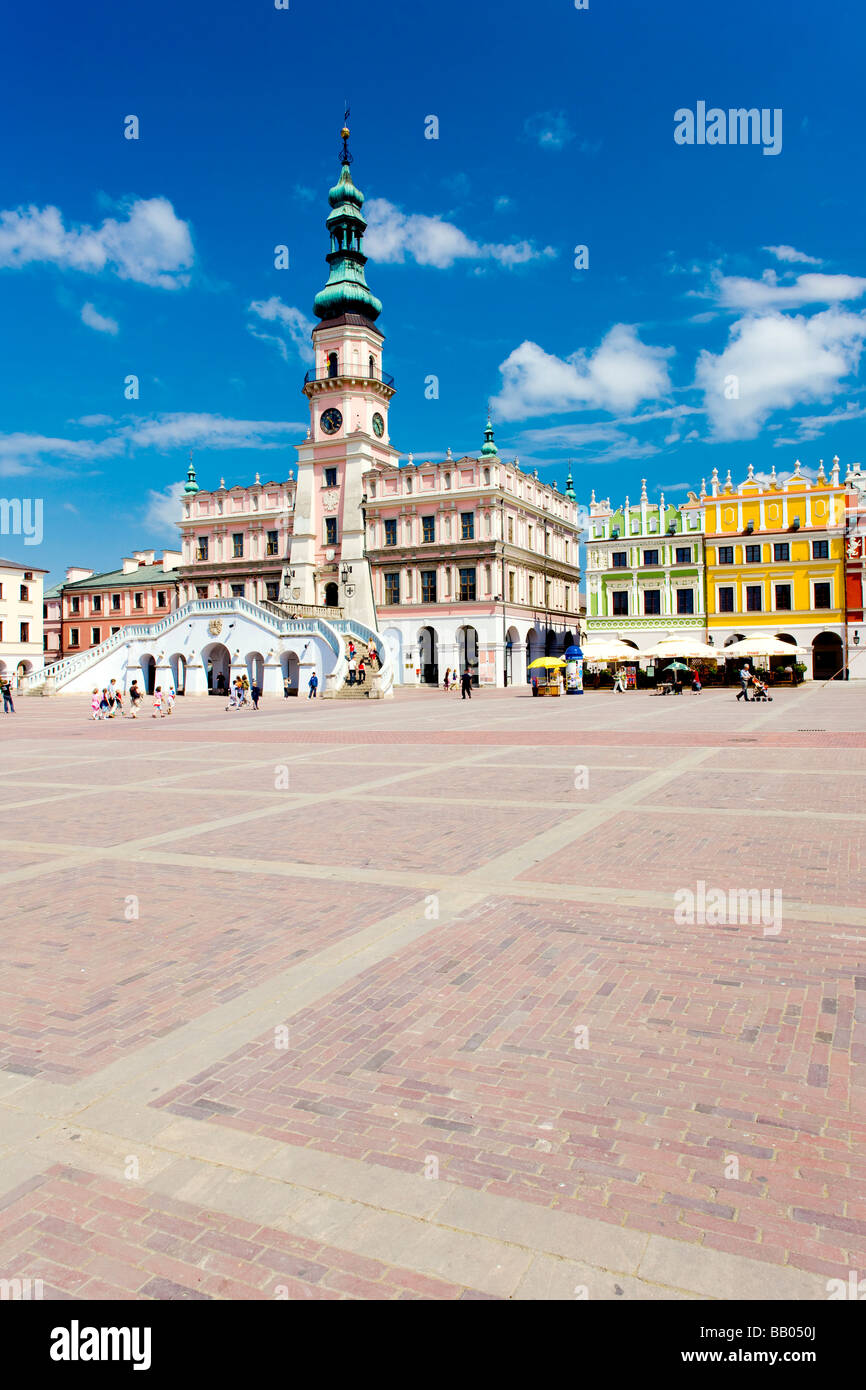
x: 407, y: 999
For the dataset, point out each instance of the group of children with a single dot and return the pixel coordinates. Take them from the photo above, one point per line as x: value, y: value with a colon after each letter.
x: 241, y: 692
x: 108, y: 703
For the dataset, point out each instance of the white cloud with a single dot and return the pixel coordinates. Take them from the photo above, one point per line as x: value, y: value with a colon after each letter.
x: 100, y: 322
x: 296, y: 324
x: 393, y: 235
x: 549, y: 129
x: 776, y: 362
x: 738, y: 292
x: 815, y: 426
x: 163, y: 509
x: 620, y: 373
x: 151, y: 245
x: 787, y: 253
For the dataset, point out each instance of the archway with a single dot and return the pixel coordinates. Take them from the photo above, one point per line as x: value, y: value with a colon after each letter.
x: 531, y: 642
x: 218, y: 664
x: 255, y: 664
x: 22, y: 669
x: 178, y: 672
x: 549, y: 641
x: 148, y: 673
x: 512, y: 654
x: 332, y: 595
x: 428, y: 654
x: 827, y: 662
x: 732, y: 663
x: 291, y: 671
x: 467, y: 652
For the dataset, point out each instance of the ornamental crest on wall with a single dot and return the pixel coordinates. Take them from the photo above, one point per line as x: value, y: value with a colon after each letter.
x: 215, y: 627
x: 330, y: 501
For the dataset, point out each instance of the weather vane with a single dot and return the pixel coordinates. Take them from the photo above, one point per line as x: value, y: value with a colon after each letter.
x: 345, y: 157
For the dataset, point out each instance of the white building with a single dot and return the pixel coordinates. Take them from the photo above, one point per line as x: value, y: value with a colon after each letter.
x: 21, y: 631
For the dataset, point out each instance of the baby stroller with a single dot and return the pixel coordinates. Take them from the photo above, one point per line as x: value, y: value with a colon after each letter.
x: 761, y: 692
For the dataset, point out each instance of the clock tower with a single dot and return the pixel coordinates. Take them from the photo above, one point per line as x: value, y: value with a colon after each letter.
x: 349, y: 394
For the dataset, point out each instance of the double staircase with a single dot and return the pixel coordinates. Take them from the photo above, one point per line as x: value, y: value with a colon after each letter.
x: 360, y: 690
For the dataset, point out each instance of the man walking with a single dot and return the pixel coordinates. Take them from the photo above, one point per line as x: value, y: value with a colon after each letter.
x: 314, y: 685
x: 466, y: 685
x: 745, y: 678
x: 6, y: 686
x: 352, y: 669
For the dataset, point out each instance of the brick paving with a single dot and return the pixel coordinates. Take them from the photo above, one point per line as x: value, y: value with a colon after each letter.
x: 283, y: 868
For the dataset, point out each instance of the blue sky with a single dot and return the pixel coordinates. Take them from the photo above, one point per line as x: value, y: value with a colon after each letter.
x: 708, y: 264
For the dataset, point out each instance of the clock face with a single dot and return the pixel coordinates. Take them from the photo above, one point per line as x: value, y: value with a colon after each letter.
x: 378, y: 425
x: 331, y: 420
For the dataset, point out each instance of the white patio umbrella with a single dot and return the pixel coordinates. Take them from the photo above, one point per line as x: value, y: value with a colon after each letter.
x: 686, y: 647
x: 762, y: 646
x: 609, y: 649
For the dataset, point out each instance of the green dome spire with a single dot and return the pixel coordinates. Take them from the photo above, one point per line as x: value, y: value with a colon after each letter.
x: 569, y: 488
x: 191, y: 485
x: 488, y: 448
x: 347, y: 291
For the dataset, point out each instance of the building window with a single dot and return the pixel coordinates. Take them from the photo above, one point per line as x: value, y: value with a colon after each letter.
x: 726, y: 554
x: 371, y: 366
x: 783, y: 597
x: 96, y: 603
x: 619, y: 559
x: 114, y: 629
x: 782, y: 551
x: 330, y: 477
x: 73, y: 637
x: 754, y: 598
x: 467, y: 585
x: 428, y: 529
x: 428, y: 586
x: 330, y: 530
x: 531, y: 590
x: 753, y: 554
x: 237, y: 591
x: 650, y: 557
x: 333, y: 364
x: 822, y: 596
x: 683, y: 554
x: 25, y: 632
x: 272, y: 543
x: 685, y: 601
x: 652, y: 601
x: 75, y: 604
x: 238, y: 545
x: 200, y: 592
x: 138, y: 600
x: 511, y: 528
x: 201, y: 548
x: 95, y: 636
x: 820, y: 550
x: 272, y: 590
x: 620, y: 604
x: 24, y: 593
x: 390, y: 533
x: 511, y: 586
x: 447, y: 481
x: 568, y: 598
x: 529, y: 537
x: 467, y: 526
x: 115, y: 603
x: 392, y: 588
x: 160, y: 598
x: 726, y: 600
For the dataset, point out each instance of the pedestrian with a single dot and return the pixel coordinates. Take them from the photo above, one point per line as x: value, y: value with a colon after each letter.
x: 745, y: 680
x: 696, y: 684
x: 352, y: 667
x: 170, y: 698
x: 221, y: 684
x: 104, y: 707
x: 466, y: 685
x: 109, y: 696
x: 158, y: 712
x: 240, y: 693
x: 362, y: 674
x: 114, y: 696
x: 256, y: 693
x: 373, y: 655
x: 95, y: 712
x: 287, y: 687
x: 6, y: 686
x: 135, y: 699
x: 351, y: 648
x: 314, y: 685
x: 118, y: 703
x: 618, y: 684
x: 447, y: 680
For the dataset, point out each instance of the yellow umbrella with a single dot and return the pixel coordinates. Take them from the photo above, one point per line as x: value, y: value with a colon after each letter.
x: 549, y: 663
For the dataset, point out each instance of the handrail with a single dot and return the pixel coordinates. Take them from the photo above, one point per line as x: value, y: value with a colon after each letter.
x: 384, y: 377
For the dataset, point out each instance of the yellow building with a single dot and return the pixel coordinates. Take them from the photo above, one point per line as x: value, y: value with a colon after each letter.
x: 775, y: 563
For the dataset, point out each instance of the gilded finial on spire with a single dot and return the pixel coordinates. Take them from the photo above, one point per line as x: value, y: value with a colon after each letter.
x: 345, y: 156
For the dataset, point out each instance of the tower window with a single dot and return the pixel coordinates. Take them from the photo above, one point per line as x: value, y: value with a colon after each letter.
x: 330, y: 477
x: 371, y: 365
x: 390, y: 532
x: 330, y: 530
x: 332, y: 364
